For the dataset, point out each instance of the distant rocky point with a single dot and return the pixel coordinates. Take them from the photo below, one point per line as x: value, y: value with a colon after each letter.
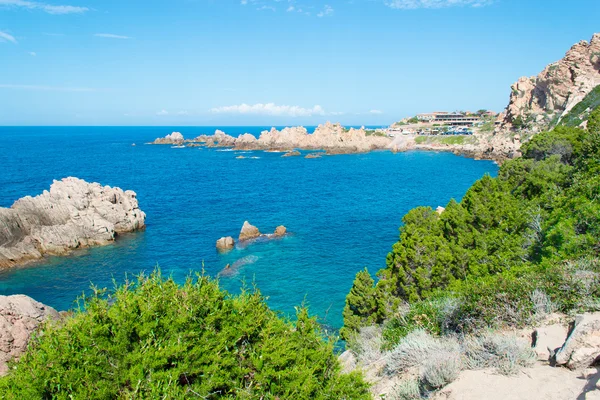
x: 173, y: 138
x: 73, y: 214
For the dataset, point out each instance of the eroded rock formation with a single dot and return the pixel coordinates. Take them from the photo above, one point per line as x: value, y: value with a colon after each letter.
x: 248, y: 232
x: 225, y: 244
x: 541, y: 100
x: 73, y: 214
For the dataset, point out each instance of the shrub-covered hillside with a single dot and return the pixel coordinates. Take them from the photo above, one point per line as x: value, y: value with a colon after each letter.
x: 153, y: 339
x: 524, y: 241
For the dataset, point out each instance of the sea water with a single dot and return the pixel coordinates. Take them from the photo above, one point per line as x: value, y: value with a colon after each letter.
x: 342, y: 212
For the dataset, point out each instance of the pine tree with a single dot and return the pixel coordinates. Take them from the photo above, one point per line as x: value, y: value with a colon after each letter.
x: 361, y: 305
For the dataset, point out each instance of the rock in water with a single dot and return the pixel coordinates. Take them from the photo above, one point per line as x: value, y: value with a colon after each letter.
x: 280, y: 231
x: 225, y: 243
x: 294, y: 153
x: 248, y: 232
x: 173, y: 138
x: 19, y: 317
x: 73, y: 214
x: 582, y: 347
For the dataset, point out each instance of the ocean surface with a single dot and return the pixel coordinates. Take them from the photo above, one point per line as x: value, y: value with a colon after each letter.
x: 343, y: 212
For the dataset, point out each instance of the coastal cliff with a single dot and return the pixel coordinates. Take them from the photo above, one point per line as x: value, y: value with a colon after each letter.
x: 73, y: 214
x: 540, y: 102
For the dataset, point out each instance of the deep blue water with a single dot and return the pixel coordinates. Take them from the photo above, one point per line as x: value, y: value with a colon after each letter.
x: 343, y: 211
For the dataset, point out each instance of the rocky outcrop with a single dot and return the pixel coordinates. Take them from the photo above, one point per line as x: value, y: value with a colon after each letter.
x: 314, y: 155
x: 248, y: 232
x: 20, y: 316
x: 225, y: 244
x: 537, y: 102
x: 173, y: 138
x: 291, y: 154
x: 582, y: 347
x: 73, y: 214
x: 280, y: 231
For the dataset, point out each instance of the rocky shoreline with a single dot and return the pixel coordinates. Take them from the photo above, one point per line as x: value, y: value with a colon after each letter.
x: 334, y: 139
x: 73, y: 214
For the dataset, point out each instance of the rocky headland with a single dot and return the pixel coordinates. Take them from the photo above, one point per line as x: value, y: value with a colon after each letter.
x: 73, y: 214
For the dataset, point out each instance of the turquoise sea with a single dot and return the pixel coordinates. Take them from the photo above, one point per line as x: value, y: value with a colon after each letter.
x: 342, y: 212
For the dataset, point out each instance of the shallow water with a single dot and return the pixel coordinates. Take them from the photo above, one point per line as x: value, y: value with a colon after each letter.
x: 342, y: 212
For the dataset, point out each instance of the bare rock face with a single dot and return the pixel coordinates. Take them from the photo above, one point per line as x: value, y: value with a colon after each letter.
x: 173, y: 138
x: 556, y: 90
x: 73, y: 214
x: 225, y: 244
x: 582, y: 347
x: 19, y: 317
x: 248, y: 232
x: 280, y: 231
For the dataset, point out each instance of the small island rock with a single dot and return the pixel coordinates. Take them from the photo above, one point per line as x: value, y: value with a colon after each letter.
x: 248, y: 232
x: 291, y: 154
x: 225, y: 243
x: 280, y: 231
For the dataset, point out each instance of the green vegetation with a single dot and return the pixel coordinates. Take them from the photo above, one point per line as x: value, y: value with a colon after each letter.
x: 413, y: 120
x: 445, y: 139
x: 153, y: 339
x: 371, y: 132
x: 515, y: 248
x: 581, y: 111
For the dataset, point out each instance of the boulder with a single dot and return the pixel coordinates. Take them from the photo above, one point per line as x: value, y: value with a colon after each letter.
x: 582, y: 347
x: 291, y: 154
x: 225, y: 243
x: 280, y: 231
x: 73, y: 214
x: 19, y: 317
x: 248, y: 232
x: 548, y: 339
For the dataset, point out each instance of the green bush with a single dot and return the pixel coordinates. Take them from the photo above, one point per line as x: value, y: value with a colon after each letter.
x: 154, y: 339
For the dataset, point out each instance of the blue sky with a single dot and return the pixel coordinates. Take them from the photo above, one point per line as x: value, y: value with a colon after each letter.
x: 272, y: 62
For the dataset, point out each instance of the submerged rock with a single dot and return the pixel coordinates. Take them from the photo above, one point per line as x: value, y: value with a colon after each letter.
x: 19, y: 318
x: 225, y: 243
x: 73, y: 214
x: 314, y: 155
x: 248, y: 232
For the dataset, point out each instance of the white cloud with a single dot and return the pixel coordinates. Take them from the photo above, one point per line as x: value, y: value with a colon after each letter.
x: 270, y: 109
x: 5, y: 37
x: 50, y: 9
x: 377, y: 112
x: 415, y: 4
x: 47, y: 88
x: 327, y: 12
x: 183, y: 112
x: 32, y: 53
x: 162, y: 112
x: 111, y: 36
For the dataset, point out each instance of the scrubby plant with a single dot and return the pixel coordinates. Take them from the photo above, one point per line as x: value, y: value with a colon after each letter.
x: 367, y: 344
x: 153, y: 339
x: 440, y: 369
x: 407, y: 389
x: 417, y: 347
x: 505, y: 353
